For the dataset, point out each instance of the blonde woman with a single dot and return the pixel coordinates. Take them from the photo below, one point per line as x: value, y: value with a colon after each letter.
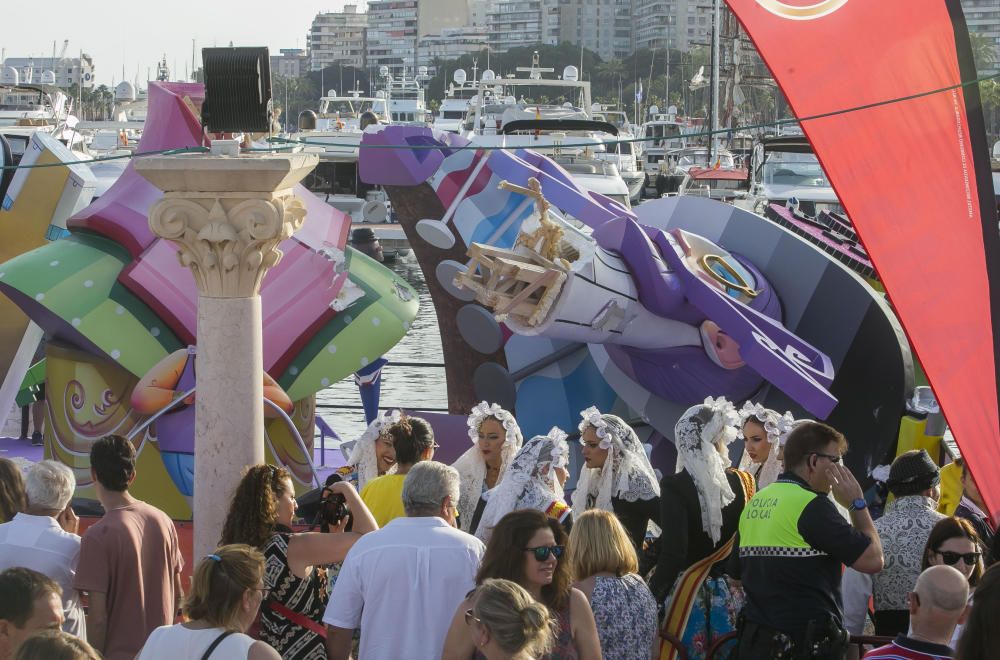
x: 226, y: 592
x: 507, y: 623
x: 603, y: 560
x: 496, y: 438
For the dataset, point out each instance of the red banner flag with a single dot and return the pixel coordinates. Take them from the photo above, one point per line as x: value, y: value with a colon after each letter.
x: 914, y: 177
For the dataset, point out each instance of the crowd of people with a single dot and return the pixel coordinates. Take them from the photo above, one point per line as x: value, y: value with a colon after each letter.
x: 775, y: 557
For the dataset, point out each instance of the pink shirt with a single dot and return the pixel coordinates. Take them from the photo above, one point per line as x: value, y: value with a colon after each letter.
x: 132, y: 554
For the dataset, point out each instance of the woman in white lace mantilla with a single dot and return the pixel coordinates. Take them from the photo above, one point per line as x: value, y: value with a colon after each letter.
x: 617, y: 475
x: 373, y: 453
x: 496, y: 438
x: 761, y: 429
x: 534, y: 480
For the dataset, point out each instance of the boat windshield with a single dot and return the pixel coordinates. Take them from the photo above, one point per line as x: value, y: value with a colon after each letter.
x: 351, y: 107
x: 22, y: 100
x: 783, y: 168
x: 700, y: 159
x: 663, y: 130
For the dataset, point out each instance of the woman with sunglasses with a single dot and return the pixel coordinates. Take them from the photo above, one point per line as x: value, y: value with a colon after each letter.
x: 616, y: 475
x: 261, y: 515
x: 496, y: 438
x: 953, y: 541
x: 507, y: 623
x: 226, y: 592
x: 527, y: 547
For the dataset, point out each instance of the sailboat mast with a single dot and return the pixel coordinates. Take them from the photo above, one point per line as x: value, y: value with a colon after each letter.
x: 713, y: 144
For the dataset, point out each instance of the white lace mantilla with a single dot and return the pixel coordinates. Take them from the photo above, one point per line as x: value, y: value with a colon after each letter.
x: 775, y: 426
x: 698, y: 433
x: 471, y: 466
x: 363, y: 456
x: 626, y: 474
x: 530, y: 482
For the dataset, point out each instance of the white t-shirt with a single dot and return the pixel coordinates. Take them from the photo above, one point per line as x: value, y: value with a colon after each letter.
x: 178, y: 641
x: 39, y: 543
x: 401, y: 585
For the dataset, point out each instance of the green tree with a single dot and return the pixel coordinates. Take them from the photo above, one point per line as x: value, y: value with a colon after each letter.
x: 984, y: 51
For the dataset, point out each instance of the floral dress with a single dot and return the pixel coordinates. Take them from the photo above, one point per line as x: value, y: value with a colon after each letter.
x: 625, y: 613
x: 304, y: 596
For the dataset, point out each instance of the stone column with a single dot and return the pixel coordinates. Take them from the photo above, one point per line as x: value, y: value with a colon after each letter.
x: 226, y: 216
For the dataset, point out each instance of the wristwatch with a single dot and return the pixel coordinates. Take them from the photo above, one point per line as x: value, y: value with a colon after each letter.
x: 859, y: 504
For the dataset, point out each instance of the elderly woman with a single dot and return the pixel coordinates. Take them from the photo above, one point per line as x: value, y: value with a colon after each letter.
x: 701, y: 506
x: 496, y: 438
x: 617, y: 475
x: 226, y: 592
x: 761, y: 430
x: 534, y: 480
x: 373, y: 454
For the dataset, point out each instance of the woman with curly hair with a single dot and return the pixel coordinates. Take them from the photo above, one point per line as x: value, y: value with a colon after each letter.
x: 527, y: 547
x: 496, y: 438
x: 12, y: 498
x: 616, y: 475
x: 261, y: 515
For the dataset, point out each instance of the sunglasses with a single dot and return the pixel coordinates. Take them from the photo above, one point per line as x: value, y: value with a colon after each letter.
x: 951, y: 558
x: 470, y: 617
x: 542, y: 552
x: 833, y: 458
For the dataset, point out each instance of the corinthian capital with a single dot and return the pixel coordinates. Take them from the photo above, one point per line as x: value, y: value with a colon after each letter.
x: 229, y: 241
x: 227, y: 215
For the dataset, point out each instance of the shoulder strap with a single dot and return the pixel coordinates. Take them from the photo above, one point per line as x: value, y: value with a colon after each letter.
x: 218, y: 640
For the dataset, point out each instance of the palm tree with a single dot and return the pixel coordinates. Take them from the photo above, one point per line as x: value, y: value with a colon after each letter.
x: 984, y: 51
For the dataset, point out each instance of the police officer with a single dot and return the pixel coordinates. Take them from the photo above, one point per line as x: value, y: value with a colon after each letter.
x: 792, y: 544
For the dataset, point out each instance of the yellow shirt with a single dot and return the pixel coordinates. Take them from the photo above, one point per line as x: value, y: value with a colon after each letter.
x: 384, y: 497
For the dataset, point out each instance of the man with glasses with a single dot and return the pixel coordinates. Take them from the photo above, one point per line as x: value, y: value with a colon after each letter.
x: 402, y: 583
x: 792, y: 545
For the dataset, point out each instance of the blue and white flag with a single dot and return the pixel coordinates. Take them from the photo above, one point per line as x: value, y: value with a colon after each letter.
x: 638, y: 93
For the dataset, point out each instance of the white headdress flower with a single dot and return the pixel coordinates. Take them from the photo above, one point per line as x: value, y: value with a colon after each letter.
x: 471, y: 466
x: 626, y: 473
x: 775, y: 426
x: 363, y: 456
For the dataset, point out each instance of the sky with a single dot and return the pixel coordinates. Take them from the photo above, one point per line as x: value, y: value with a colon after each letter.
x: 133, y: 34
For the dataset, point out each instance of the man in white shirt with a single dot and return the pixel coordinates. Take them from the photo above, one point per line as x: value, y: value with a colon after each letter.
x: 399, y: 584
x: 44, y: 538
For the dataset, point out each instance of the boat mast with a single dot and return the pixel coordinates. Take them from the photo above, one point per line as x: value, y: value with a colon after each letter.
x: 713, y: 145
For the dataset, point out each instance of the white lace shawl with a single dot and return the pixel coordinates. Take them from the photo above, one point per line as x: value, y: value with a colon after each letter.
x: 471, y: 466
x: 363, y: 456
x: 697, y: 434
x: 776, y: 426
x: 626, y: 474
x: 528, y: 484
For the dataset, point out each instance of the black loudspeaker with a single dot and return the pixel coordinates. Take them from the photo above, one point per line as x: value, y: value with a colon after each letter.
x: 237, y: 90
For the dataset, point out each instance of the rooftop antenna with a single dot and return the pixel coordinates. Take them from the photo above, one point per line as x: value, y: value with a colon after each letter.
x: 535, y: 71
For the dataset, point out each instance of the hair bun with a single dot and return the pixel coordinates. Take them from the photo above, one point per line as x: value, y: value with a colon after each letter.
x: 534, y: 617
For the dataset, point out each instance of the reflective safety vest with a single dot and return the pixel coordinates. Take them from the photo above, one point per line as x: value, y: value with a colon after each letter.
x: 769, y: 524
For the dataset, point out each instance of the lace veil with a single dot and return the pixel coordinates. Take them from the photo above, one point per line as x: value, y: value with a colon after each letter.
x: 530, y: 482
x: 626, y: 474
x: 363, y: 456
x: 698, y: 433
x: 471, y: 466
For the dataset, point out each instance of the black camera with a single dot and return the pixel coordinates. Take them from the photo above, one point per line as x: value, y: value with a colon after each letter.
x: 322, y: 507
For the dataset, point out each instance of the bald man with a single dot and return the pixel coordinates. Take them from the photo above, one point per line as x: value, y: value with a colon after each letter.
x: 938, y: 603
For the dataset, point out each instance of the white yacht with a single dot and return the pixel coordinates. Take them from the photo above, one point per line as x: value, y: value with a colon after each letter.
x: 624, y: 153
x: 334, y: 133
x: 454, y: 107
x: 663, y: 134
x: 565, y: 131
x: 785, y: 168
x: 680, y: 161
x: 406, y: 97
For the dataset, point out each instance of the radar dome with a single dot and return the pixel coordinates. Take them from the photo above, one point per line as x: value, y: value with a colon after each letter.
x: 124, y: 91
x: 9, y: 76
x: 459, y: 76
x: 571, y: 73
x: 489, y: 75
x: 422, y: 71
x: 383, y: 71
x: 48, y: 77
x: 331, y: 92
x: 307, y: 120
